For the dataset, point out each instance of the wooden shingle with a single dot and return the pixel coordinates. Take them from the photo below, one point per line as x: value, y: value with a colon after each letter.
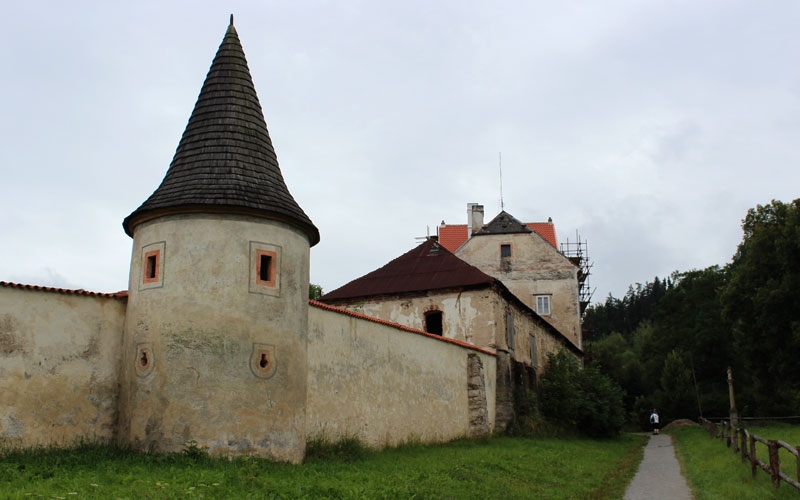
x: 225, y: 161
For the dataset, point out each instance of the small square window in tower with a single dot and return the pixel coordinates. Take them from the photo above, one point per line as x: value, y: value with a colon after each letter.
x: 505, y: 251
x: 543, y: 305
x: 152, y: 270
x: 151, y: 266
x: 265, y: 268
x: 433, y: 322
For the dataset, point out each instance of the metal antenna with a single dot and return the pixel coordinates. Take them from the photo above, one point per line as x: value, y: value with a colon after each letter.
x: 500, y: 161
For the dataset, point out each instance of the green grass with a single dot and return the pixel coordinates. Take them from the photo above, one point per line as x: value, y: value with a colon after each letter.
x: 507, y: 468
x: 715, y: 472
x: 790, y: 434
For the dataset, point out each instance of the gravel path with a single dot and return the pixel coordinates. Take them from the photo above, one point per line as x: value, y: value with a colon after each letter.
x: 659, y: 475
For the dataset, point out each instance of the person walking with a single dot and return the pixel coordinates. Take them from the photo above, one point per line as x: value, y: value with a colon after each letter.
x: 654, y: 421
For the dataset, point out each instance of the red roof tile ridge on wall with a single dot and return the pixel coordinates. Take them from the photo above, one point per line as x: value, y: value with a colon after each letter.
x: 398, y: 326
x: 66, y: 291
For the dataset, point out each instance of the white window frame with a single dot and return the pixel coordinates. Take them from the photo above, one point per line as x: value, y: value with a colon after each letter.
x: 543, y: 305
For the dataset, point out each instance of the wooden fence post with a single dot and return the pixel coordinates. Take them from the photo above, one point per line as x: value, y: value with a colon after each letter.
x: 774, y: 463
x: 728, y: 433
x: 743, y: 437
x: 753, y: 460
x: 798, y: 461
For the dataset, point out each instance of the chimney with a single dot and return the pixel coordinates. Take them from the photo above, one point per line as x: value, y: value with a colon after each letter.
x: 474, y: 218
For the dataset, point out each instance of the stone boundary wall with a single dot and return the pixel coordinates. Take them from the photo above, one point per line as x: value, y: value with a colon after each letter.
x: 59, y: 365
x: 387, y: 384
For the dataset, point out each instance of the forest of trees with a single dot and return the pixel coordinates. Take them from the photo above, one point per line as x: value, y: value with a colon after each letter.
x: 668, y: 343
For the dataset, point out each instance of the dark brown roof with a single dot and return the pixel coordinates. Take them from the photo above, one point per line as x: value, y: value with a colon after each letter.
x: 225, y: 162
x: 429, y: 266
x: 504, y: 223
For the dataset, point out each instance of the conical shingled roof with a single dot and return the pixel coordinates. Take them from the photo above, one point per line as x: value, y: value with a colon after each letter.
x: 225, y: 162
x: 429, y: 266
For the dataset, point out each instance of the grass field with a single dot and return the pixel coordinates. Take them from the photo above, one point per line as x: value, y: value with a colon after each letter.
x: 715, y: 472
x: 506, y: 468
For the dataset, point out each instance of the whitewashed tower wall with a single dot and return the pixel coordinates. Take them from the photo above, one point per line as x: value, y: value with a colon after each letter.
x: 215, y: 347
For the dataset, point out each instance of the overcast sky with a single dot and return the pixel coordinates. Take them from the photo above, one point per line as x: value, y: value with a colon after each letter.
x: 648, y: 127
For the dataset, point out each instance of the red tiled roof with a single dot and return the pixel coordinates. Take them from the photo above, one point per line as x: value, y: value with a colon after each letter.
x: 452, y: 236
x: 66, y: 291
x: 546, y: 230
x: 320, y: 305
x: 429, y: 266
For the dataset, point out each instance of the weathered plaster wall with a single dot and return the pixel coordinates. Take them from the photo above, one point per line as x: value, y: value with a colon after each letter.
x: 518, y: 330
x: 478, y: 317
x: 533, y: 339
x: 534, y: 268
x: 493, y: 321
x: 59, y: 366
x: 386, y: 385
x: 203, y: 329
x: 467, y: 316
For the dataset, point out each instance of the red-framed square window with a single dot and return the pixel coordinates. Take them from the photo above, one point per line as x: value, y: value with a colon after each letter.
x: 266, y: 260
x: 151, y: 265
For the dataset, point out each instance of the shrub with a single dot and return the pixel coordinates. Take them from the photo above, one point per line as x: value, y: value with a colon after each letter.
x: 344, y: 449
x: 194, y: 451
x: 585, y: 399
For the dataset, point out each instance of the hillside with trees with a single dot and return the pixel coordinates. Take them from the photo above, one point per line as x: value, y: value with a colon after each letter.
x: 668, y: 343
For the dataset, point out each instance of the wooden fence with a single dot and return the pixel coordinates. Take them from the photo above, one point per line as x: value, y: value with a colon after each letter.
x: 742, y: 441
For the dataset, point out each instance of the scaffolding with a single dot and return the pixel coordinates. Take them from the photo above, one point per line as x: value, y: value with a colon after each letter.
x: 578, y: 253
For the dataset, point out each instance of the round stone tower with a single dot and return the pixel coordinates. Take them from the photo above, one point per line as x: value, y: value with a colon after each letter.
x: 215, y: 347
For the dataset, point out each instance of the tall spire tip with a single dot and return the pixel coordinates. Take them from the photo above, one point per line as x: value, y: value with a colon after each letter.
x: 231, y: 20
